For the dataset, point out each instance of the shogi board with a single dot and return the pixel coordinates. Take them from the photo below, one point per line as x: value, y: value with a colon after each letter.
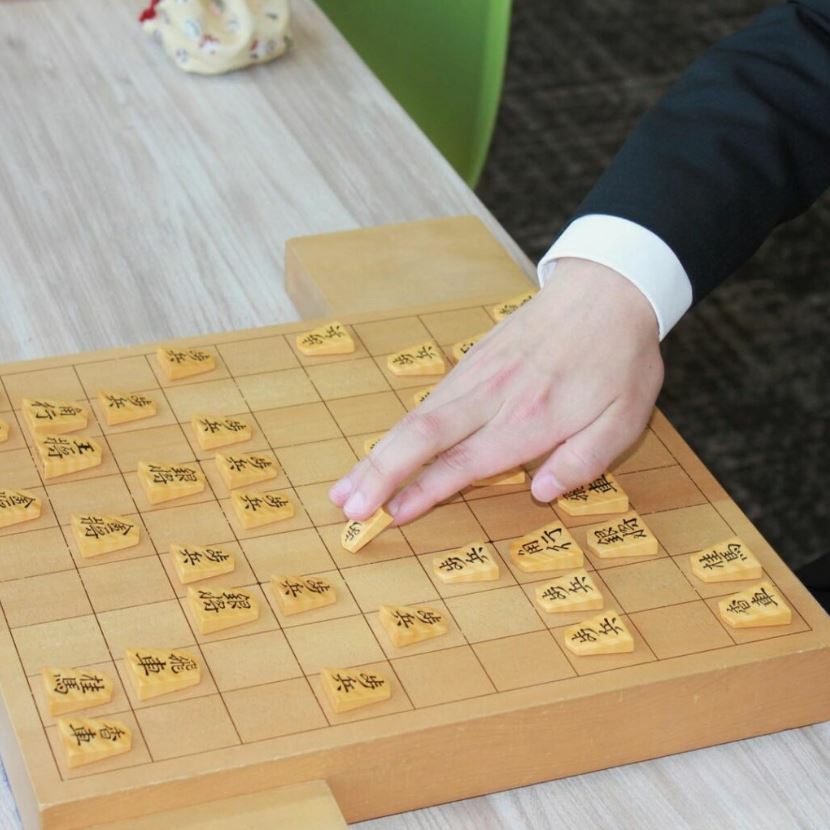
x: 498, y: 702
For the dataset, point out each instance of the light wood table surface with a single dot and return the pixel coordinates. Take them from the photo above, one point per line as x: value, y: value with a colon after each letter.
x: 139, y: 203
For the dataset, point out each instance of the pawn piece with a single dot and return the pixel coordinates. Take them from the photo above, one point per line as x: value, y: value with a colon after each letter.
x: 184, y: 363
x: 332, y: 338
x: 122, y: 407
x: 627, y: 535
x: 165, y: 482
x: 296, y: 594
x: 54, y: 417
x: 356, y: 535
x: 514, y: 476
x: 216, y: 610
x: 348, y: 689
x: 4, y: 431
x: 422, y: 394
x: 755, y: 607
x: 194, y: 563
x: 160, y: 671
x: 61, y: 455
x: 256, y: 509
x: 726, y: 561
x: 505, y: 309
x: 87, y: 740
x: 604, y: 634
x: 574, y: 591
x: 68, y: 690
x: 550, y: 548
x: 370, y: 443
x: 97, y: 534
x: 602, y: 495
x: 244, y: 470
x: 18, y: 506
x: 409, y: 624
x: 214, y: 431
x: 421, y: 359
x: 472, y: 563
x: 461, y: 348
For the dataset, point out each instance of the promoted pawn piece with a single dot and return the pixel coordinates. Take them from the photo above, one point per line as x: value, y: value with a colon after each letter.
x: 18, y: 506
x: 184, y: 363
x: 295, y: 594
x: 4, y: 431
x: 245, y: 470
x: 625, y: 536
x: 217, y: 609
x: 514, y: 476
x: 99, y: 533
x: 409, y: 624
x: 87, y: 740
x: 549, y: 548
x: 421, y: 359
x: 194, y: 563
x: 461, y: 348
x: 165, y: 482
x: 602, y: 495
x: 502, y: 310
x: 214, y: 431
x: 348, y: 689
x: 574, y: 591
x: 472, y: 563
x: 758, y: 606
x: 356, y: 535
x: 70, y: 690
x: 726, y: 561
x: 123, y: 407
x: 332, y: 338
x: 61, y: 455
x: 422, y: 394
x: 370, y: 443
x: 161, y: 671
x: 50, y: 417
x: 257, y: 509
x: 604, y: 634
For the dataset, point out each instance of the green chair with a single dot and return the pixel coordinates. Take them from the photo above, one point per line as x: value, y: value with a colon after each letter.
x: 442, y: 59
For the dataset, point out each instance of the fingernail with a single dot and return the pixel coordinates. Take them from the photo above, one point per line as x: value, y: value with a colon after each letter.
x: 394, y: 506
x: 341, y: 489
x: 355, y: 504
x: 545, y: 487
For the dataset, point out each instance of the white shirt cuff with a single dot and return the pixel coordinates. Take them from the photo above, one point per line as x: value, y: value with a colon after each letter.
x: 633, y: 251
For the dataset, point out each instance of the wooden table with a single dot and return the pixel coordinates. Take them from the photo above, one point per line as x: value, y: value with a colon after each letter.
x: 138, y: 203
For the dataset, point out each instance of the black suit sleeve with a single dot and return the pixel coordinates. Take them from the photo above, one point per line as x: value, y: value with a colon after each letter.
x: 740, y: 144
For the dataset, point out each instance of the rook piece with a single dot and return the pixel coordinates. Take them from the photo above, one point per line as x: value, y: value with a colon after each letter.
x: 570, y: 592
x: 505, y: 309
x: 244, y: 470
x: 626, y: 535
x: 54, y: 417
x: 183, y: 363
x: 331, y: 338
x: 165, y: 482
x: 461, y: 348
x: 370, y: 443
x: 216, y: 610
x: 755, y: 607
x: 61, y: 455
x: 408, y: 624
x: 194, y: 563
x: 87, y: 740
x: 515, y: 476
x: 348, y: 689
x: 214, y: 431
x: 604, y: 634
x: 160, y: 671
x: 550, y: 548
x: 726, y: 561
x: 122, y: 407
x: 422, y: 394
x: 423, y: 359
x: 255, y: 509
x: 296, y: 594
x: 473, y: 563
x: 602, y: 495
x: 99, y: 534
x: 68, y: 690
x: 18, y: 506
x: 356, y: 535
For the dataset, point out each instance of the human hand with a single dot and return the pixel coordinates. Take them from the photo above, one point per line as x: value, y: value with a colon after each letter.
x: 575, y: 371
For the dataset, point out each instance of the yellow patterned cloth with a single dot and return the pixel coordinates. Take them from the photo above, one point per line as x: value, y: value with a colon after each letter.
x: 214, y: 36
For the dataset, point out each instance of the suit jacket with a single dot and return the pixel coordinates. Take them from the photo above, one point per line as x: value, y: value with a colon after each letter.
x: 740, y: 144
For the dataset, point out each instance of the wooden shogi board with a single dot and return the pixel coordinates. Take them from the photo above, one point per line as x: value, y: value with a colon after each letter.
x: 498, y: 702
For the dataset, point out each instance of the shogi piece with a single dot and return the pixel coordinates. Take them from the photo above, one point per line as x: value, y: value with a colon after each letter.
x: 221, y: 608
x: 193, y: 563
x: 245, y: 470
x: 165, y: 482
x: 627, y: 535
x: 87, y: 740
x: 570, y: 592
x: 256, y: 509
x: 348, y: 689
x: 370, y: 443
x: 48, y: 417
x: 602, y: 495
x: 4, y: 431
x: 160, y: 671
x: 515, y: 476
x: 214, y: 431
x: 184, y: 363
x: 550, y: 548
x: 121, y: 407
x: 461, y: 348
x: 408, y: 624
x: 68, y: 690
x: 755, y: 607
x: 61, y: 455
x: 333, y: 338
x: 18, y: 506
x: 726, y: 561
x: 356, y: 535
x: 422, y: 359
x: 422, y: 394
x: 502, y: 310
x: 472, y: 563
x: 604, y: 634
x: 296, y: 594
x: 98, y: 533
